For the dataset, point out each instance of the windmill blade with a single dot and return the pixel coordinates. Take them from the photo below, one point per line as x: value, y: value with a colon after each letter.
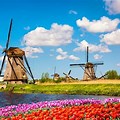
x: 82, y: 64
x: 102, y: 76
x: 98, y: 64
x: 22, y: 66
x: 69, y: 72
x: 55, y: 70
x: 29, y: 68
x: 2, y: 64
x: 6, y: 47
x: 87, y: 54
x: 65, y: 73
x: 68, y: 75
x: 8, y: 40
x: 72, y: 77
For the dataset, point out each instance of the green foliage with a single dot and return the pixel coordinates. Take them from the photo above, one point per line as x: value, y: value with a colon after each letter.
x: 45, y: 75
x: 58, y: 81
x: 45, y: 78
x: 118, y: 76
x: 83, y: 89
x: 112, y: 74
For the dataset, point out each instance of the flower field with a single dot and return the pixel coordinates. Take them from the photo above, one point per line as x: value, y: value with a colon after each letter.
x: 74, y: 109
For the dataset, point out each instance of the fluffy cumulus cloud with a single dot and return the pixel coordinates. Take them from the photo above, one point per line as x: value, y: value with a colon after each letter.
x: 29, y: 51
x: 113, y: 6
x: 72, y: 57
x: 73, y: 12
x: 64, y: 55
x: 56, y: 36
x: 92, y: 48
x: 112, y: 38
x: 97, y: 56
x: 103, y: 25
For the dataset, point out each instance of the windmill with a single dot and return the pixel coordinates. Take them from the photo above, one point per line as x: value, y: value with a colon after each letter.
x: 15, y: 71
x: 55, y: 75
x: 88, y: 67
x: 67, y: 76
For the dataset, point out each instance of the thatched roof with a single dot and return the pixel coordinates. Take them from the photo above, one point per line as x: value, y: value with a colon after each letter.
x: 15, y: 51
x: 89, y: 65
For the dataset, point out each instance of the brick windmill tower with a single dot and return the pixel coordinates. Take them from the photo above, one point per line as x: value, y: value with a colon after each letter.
x: 15, y: 71
x: 88, y: 67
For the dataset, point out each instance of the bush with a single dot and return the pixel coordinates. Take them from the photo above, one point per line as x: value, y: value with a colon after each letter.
x: 112, y: 74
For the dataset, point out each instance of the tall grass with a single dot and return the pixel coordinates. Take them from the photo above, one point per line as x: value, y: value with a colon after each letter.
x: 83, y: 89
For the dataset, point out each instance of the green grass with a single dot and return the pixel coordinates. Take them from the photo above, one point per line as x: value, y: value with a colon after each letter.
x: 83, y: 89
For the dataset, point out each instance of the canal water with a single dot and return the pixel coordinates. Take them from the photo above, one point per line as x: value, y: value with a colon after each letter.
x: 16, y: 98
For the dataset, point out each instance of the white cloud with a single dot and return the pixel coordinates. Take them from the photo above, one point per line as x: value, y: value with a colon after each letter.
x: 59, y: 50
x: 118, y: 64
x: 97, y: 56
x: 56, y: 36
x: 112, y: 38
x: 73, y: 12
x: 113, y: 6
x: 72, y: 57
x: 29, y: 51
x: 27, y: 28
x: 64, y: 55
x: 103, y: 25
x: 61, y: 57
x: 92, y: 48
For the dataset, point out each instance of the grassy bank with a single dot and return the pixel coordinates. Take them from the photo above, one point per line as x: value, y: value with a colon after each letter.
x: 110, y: 89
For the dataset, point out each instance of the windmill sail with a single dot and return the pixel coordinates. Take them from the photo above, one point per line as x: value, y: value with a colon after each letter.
x: 15, y: 71
x: 67, y: 76
x: 88, y: 67
x: 8, y: 40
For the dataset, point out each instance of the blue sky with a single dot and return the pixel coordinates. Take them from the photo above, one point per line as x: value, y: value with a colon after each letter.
x: 55, y: 33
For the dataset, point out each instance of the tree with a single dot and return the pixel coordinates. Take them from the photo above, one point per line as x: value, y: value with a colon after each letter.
x: 45, y: 77
x: 112, y: 74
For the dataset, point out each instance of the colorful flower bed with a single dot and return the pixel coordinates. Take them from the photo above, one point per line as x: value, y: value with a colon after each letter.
x: 76, y: 109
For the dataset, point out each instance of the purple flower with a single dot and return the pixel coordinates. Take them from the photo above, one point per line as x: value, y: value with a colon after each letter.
x: 22, y: 108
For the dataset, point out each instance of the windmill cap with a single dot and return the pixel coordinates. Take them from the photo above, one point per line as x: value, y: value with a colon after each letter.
x: 15, y: 51
x: 89, y: 64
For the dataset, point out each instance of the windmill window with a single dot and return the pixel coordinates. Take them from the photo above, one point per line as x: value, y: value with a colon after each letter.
x: 24, y: 76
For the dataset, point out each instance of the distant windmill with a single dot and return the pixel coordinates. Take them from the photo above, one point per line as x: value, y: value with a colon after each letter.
x: 15, y: 71
x: 67, y: 76
x: 88, y: 67
x: 55, y: 75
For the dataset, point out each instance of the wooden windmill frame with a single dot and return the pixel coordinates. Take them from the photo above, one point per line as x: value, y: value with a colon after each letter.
x: 15, y: 71
x: 68, y: 77
x: 88, y: 68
